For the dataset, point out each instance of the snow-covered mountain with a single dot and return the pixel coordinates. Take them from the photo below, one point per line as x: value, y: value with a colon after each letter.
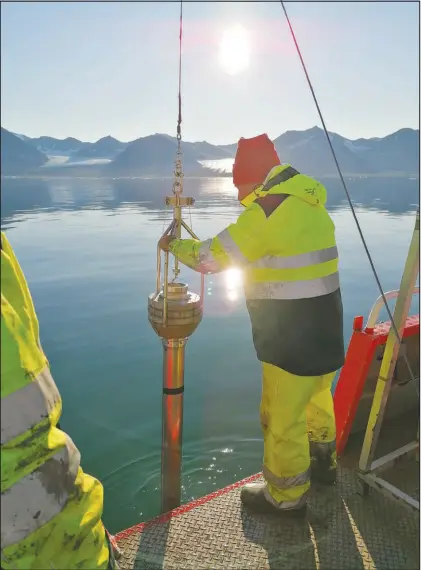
x: 308, y: 151
x: 18, y: 156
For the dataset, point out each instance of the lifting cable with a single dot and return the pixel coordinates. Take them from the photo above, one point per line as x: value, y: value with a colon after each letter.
x: 179, y: 76
x: 370, y: 259
x: 178, y: 171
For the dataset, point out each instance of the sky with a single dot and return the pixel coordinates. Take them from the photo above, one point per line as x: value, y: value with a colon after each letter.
x: 92, y: 69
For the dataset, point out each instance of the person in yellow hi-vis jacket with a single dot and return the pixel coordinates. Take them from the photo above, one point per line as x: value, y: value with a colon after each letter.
x: 285, y: 243
x: 50, y: 509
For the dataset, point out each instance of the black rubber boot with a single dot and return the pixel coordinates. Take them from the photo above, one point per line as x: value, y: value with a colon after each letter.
x: 253, y: 497
x: 322, y: 471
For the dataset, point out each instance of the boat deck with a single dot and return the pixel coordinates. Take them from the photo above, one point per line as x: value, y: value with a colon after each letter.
x: 343, y: 530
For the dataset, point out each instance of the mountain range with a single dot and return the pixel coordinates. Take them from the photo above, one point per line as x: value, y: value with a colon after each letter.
x: 307, y: 151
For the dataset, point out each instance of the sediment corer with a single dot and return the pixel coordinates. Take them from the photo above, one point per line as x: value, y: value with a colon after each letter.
x: 174, y: 313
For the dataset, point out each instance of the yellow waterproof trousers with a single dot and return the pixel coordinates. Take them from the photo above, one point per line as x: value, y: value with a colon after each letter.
x: 295, y: 410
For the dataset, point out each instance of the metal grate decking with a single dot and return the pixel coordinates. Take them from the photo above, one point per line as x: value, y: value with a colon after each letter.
x: 343, y: 531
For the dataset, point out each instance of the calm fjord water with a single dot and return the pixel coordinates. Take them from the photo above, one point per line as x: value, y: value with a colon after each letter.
x: 88, y: 250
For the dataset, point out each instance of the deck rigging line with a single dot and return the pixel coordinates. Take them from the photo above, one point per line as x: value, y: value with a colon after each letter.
x: 370, y: 259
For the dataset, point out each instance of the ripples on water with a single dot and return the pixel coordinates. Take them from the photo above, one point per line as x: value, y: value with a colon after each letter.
x: 88, y: 251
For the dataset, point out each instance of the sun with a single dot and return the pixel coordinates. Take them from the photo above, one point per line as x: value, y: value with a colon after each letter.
x: 234, y: 50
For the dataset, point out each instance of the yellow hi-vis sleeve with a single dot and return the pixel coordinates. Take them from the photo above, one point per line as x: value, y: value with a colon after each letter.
x: 15, y: 288
x: 237, y: 245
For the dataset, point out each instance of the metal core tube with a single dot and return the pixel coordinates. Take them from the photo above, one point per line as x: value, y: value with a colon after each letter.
x: 174, y: 313
x: 172, y: 422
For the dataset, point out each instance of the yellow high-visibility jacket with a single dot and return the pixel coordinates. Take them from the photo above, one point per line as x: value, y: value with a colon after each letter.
x: 285, y: 243
x: 50, y: 509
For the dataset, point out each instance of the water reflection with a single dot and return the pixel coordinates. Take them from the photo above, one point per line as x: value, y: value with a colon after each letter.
x: 220, y: 165
x: 219, y: 188
x: 212, y: 195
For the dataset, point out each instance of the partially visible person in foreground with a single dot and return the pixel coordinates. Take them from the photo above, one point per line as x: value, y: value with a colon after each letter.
x: 50, y: 509
x: 285, y: 243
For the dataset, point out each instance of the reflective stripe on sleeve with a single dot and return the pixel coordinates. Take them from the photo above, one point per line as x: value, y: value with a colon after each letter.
x: 27, y: 407
x: 38, y: 497
x: 296, y: 261
x: 231, y: 248
x: 305, y: 289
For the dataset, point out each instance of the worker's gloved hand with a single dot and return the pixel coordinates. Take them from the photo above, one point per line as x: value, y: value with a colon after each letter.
x: 165, y: 241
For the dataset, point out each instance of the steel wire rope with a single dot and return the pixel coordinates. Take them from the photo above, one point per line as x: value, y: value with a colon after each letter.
x: 179, y: 74
x: 367, y: 251
x: 179, y: 89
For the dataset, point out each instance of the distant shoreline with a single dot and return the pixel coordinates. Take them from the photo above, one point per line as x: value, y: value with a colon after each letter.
x: 190, y: 177
x: 153, y: 157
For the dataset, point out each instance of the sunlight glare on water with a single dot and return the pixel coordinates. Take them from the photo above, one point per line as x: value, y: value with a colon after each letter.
x: 233, y: 279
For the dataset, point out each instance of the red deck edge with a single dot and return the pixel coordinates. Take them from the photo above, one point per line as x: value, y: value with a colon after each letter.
x: 184, y: 508
x: 353, y: 375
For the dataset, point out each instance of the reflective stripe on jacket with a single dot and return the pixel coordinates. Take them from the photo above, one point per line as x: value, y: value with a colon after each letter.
x: 50, y: 509
x: 285, y: 243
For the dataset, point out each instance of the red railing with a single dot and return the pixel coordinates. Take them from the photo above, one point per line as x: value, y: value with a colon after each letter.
x: 361, y: 350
